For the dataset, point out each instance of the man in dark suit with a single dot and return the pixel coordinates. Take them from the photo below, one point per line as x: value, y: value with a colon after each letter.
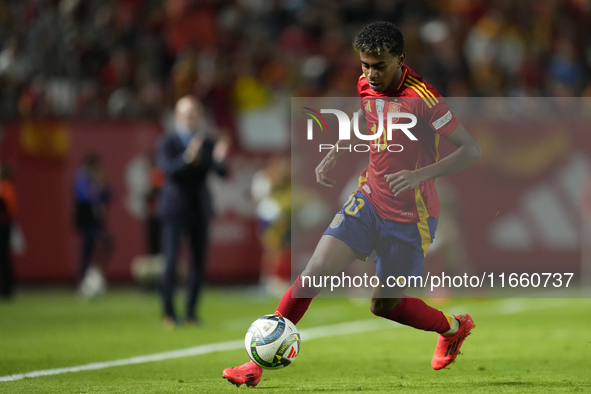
x: 186, y: 156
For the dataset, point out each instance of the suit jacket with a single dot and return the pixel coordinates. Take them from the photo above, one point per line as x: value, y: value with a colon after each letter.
x: 184, y: 195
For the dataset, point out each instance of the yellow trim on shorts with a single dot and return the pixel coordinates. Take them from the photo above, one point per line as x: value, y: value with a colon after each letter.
x: 422, y: 225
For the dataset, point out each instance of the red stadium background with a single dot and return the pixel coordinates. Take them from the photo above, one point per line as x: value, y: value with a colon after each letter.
x: 518, y: 208
x: 46, y: 154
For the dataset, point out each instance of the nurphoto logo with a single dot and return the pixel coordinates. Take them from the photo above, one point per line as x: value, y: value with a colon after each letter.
x: 345, y: 128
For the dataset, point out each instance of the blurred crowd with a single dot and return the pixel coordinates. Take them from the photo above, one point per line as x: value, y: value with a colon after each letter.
x: 118, y: 58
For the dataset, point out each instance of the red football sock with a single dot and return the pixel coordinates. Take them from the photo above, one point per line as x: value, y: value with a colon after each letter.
x: 294, y: 308
x: 415, y: 313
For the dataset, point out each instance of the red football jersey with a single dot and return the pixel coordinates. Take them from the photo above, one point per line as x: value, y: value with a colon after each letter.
x: 389, y: 155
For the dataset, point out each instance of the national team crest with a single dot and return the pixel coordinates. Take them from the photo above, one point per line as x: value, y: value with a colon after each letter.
x: 338, y: 219
x: 394, y: 107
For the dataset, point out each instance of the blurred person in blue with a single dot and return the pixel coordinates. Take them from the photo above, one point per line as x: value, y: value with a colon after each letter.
x: 186, y: 157
x: 92, y: 196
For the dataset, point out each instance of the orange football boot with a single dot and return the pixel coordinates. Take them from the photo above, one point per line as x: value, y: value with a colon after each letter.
x: 448, y: 346
x: 249, y: 374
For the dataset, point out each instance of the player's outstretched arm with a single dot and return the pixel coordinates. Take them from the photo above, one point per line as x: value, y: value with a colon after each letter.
x: 467, y: 153
x: 330, y: 160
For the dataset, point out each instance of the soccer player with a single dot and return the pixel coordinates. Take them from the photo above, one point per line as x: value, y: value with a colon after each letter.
x: 396, y: 202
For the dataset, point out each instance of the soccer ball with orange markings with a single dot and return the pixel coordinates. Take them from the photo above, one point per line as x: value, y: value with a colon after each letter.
x: 272, y: 342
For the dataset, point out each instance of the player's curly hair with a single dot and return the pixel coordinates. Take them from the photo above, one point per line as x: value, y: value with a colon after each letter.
x: 378, y: 37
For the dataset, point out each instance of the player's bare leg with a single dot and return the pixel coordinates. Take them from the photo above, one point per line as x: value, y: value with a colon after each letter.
x: 330, y: 257
x: 384, y: 299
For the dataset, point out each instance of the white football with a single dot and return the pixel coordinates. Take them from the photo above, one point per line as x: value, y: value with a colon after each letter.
x: 272, y: 342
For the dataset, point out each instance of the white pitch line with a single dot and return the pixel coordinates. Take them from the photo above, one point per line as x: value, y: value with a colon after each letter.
x: 311, y: 333
x: 507, y: 307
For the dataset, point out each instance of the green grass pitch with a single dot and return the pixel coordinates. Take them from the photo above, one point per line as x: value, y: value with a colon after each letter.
x: 518, y: 346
